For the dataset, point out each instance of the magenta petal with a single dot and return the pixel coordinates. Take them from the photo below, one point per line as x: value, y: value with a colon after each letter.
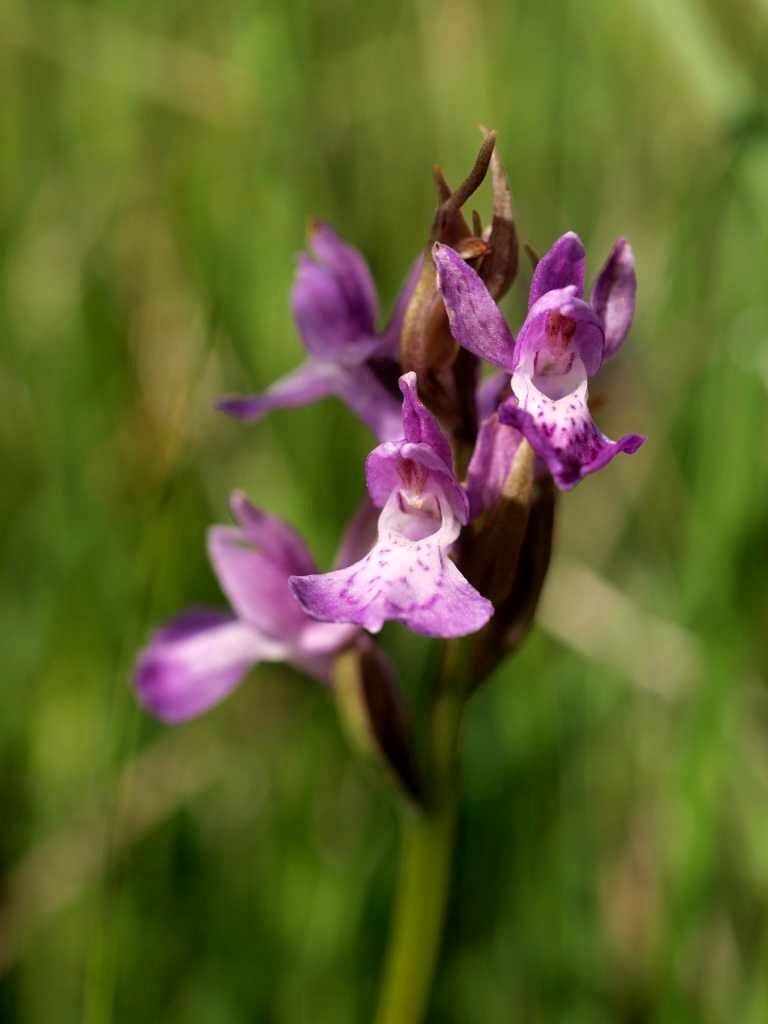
x: 307, y: 384
x: 195, y: 661
x: 562, y: 266
x: 613, y: 296
x: 491, y: 462
x: 350, y: 269
x: 475, y: 319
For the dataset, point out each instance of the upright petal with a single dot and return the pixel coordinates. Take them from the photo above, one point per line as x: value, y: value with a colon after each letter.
x: 562, y: 433
x: 276, y: 539
x: 255, y: 585
x: 613, y: 296
x: 321, y: 309
x: 419, y: 425
x: 475, y: 320
x: 562, y: 266
x: 307, y: 384
x: 351, y: 271
x: 253, y: 565
x: 195, y: 661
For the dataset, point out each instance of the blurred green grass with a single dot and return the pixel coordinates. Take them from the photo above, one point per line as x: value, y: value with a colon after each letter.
x: 158, y: 166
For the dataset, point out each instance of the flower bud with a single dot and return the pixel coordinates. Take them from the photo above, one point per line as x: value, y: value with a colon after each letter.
x: 448, y: 376
x: 491, y: 554
x: 515, y: 613
x: 373, y: 712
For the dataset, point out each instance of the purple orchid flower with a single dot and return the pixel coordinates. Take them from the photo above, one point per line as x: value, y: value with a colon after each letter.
x: 563, y: 341
x: 198, y: 658
x: 335, y: 307
x: 407, y: 575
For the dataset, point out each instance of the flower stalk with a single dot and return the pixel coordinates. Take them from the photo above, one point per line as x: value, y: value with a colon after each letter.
x: 428, y: 836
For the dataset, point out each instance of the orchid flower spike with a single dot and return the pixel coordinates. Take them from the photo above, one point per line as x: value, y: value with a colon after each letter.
x: 563, y: 342
x: 335, y: 307
x: 201, y: 656
x: 408, y: 575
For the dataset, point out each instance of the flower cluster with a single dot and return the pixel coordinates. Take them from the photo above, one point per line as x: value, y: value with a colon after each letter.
x: 463, y: 460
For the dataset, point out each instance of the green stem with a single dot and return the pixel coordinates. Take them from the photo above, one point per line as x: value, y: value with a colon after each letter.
x: 425, y: 869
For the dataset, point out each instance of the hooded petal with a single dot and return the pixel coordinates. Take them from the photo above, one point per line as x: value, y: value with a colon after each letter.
x: 350, y: 269
x: 307, y: 384
x: 253, y: 563
x: 491, y: 463
x: 279, y: 542
x: 562, y: 266
x: 260, y: 589
x: 558, y: 328
x: 475, y: 320
x: 613, y: 296
x: 255, y: 584
x: 195, y: 661
x: 321, y: 309
x: 406, y: 579
x: 562, y: 433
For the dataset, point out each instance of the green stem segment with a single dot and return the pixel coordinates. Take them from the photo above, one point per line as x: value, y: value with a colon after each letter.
x: 425, y: 869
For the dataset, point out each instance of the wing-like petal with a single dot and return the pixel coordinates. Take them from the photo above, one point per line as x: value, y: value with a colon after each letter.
x: 195, y: 661
x: 475, y: 320
x: 308, y: 383
x: 613, y: 296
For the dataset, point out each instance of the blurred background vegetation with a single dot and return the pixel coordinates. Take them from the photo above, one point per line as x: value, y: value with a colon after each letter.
x: 158, y: 162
